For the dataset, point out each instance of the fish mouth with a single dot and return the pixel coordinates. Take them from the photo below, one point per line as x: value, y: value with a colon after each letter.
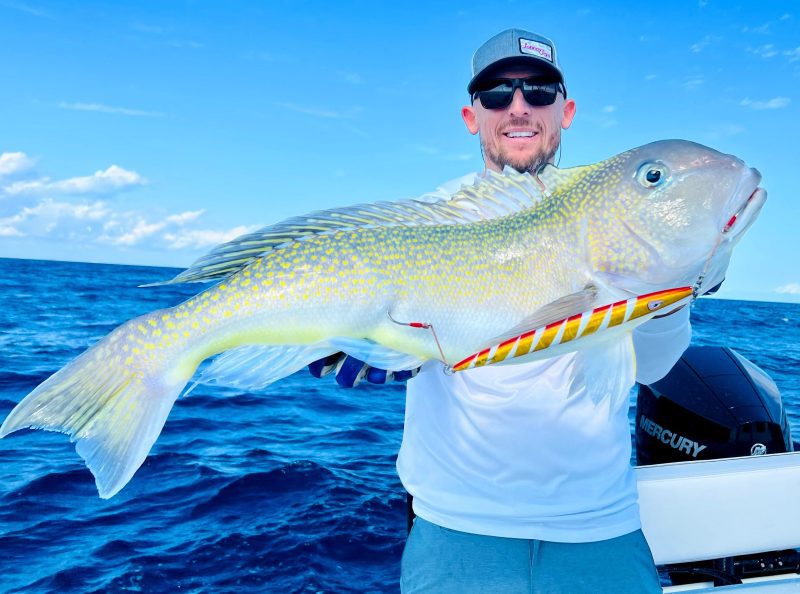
x: 745, y: 205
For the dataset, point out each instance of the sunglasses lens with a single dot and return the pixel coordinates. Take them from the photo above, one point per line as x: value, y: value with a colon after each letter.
x: 497, y: 97
x: 540, y: 94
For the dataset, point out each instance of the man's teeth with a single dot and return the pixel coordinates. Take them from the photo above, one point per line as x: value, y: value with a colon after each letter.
x: 519, y: 134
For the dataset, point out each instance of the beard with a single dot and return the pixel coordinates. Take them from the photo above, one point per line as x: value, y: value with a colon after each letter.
x: 529, y: 163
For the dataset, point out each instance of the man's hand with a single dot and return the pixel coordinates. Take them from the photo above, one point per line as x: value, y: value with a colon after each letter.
x: 350, y: 371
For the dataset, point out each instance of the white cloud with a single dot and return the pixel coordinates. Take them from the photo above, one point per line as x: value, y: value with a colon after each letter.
x: 701, y: 45
x: 151, y: 29
x: 427, y: 150
x: 50, y: 210
x: 352, y: 77
x: 102, y: 108
x: 99, y: 223
x: 321, y: 113
x: 651, y: 77
x: 727, y: 130
x: 764, y: 51
x: 187, y: 44
x: 199, y: 238
x: 113, y: 179
x: 56, y: 211
x: 774, y: 103
x: 13, y: 163
x: 789, y: 289
x: 761, y: 29
x: 9, y: 231
x: 27, y: 8
x: 604, y: 118
x: 54, y: 219
x: 793, y: 55
x: 142, y: 230
x: 433, y: 151
x: 690, y: 83
x: 185, y: 217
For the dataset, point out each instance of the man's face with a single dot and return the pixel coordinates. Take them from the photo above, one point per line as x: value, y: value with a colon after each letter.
x: 521, y: 135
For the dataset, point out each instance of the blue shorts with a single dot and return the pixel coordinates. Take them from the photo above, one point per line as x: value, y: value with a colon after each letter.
x: 442, y: 561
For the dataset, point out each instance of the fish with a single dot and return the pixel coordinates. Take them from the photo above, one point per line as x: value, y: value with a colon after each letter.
x: 396, y: 284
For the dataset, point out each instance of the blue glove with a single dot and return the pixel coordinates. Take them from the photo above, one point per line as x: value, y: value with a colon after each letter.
x: 715, y: 288
x: 350, y: 371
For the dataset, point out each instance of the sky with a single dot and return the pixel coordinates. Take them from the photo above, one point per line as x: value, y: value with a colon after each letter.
x: 148, y: 132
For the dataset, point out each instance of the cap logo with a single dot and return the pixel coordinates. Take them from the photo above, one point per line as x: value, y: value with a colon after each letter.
x: 536, y: 48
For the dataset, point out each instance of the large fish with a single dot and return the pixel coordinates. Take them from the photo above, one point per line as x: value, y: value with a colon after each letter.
x: 399, y: 283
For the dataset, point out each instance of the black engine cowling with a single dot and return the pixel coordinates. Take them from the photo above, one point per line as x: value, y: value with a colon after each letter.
x: 714, y: 403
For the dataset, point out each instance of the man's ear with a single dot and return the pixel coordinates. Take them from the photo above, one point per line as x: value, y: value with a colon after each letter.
x: 470, y: 118
x: 569, y: 113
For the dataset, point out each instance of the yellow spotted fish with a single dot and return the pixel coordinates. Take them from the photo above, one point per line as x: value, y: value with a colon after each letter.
x: 399, y: 283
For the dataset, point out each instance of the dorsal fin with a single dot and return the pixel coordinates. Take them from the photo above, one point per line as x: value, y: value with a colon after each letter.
x: 492, y: 196
x: 552, y: 178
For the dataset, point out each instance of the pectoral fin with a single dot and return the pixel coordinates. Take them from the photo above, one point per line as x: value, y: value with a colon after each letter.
x: 574, y: 303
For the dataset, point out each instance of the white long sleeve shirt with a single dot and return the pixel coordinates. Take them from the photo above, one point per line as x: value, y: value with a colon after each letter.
x: 538, y: 450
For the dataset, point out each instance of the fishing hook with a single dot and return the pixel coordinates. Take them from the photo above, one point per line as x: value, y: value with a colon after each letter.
x: 424, y: 326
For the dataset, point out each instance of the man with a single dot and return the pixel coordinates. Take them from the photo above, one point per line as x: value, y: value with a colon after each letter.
x: 520, y: 474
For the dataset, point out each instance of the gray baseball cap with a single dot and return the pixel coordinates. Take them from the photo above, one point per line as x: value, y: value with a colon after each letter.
x: 514, y: 47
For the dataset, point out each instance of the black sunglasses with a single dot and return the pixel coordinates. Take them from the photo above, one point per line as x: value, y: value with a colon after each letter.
x: 499, y: 92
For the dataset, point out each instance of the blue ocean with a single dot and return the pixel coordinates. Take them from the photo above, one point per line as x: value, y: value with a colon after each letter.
x: 290, y: 490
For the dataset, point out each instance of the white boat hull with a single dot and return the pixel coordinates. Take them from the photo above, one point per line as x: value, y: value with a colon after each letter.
x: 710, y: 509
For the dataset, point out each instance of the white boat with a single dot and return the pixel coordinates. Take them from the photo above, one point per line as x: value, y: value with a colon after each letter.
x: 714, y: 509
x: 717, y: 519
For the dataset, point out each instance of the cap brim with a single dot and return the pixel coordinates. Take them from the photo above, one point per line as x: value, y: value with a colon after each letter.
x: 521, y: 61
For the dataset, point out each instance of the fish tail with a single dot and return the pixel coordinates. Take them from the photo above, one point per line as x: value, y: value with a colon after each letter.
x: 112, y: 401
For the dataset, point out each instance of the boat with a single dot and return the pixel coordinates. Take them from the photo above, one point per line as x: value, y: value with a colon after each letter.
x: 718, y: 477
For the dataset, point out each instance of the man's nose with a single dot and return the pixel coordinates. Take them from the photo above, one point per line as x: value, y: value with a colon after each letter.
x: 518, y: 104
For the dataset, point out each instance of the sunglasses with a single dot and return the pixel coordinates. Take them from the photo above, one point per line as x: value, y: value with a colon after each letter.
x: 498, y: 93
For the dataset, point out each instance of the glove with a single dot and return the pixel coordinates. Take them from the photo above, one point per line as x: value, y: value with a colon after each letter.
x: 715, y: 288
x: 350, y: 371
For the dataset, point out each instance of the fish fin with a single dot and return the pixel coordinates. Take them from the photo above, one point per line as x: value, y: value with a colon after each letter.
x: 256, y: 367
x: 555, y: 179
x: 564, y: 307
x: 491, y: 196
x: 376, y: 355
x: 623, y: 284
x: 112, y: 412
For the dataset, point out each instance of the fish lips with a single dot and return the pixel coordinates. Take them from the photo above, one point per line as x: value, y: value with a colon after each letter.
x: 746, y: 203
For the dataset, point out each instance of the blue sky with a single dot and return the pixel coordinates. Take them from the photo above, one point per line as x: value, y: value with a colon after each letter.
x: 148, y: 132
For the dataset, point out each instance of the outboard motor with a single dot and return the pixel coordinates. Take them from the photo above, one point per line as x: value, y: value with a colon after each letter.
x: 714, y: 403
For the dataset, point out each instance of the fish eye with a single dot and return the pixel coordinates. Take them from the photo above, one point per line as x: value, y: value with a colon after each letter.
x: 651, y: 175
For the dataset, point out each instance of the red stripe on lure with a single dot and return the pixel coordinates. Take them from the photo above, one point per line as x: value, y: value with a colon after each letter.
x: 588, y: 323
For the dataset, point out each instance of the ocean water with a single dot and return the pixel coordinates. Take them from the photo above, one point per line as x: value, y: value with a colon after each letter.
x: 290, y: 490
